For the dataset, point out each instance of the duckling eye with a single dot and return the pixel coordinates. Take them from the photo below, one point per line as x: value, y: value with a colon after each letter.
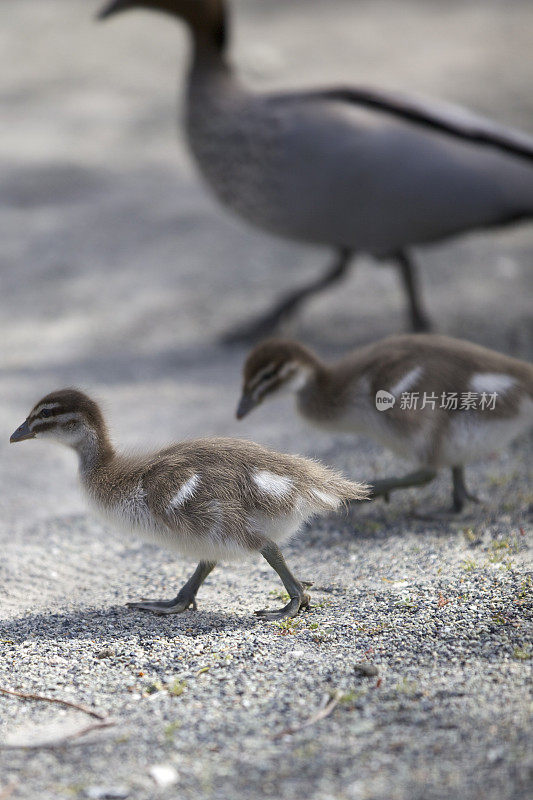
x: 46, y: 412
x: 268, y: 375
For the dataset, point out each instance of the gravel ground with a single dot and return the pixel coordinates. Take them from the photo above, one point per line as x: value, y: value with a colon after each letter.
x: 118, y: 275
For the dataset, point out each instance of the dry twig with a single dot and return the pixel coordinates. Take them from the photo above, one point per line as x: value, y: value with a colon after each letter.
x: 67, y: 703
x: 103, y: 722
x: 320, y: 714
x: 61, y: 740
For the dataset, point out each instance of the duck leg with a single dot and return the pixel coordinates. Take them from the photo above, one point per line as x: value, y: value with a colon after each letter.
x: 419, y: 319
x: 383, y: 488
x: 298, y: 598
x: 265, y: 324
x: 460, y: 492
x: 186, y: 597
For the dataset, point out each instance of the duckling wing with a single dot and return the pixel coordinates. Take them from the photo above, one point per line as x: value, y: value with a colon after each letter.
x: 193, y: 513
x: 227, y: 494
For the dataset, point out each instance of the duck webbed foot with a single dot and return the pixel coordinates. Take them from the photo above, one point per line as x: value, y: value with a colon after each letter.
x: 299, y: 600
x: 186, y: 597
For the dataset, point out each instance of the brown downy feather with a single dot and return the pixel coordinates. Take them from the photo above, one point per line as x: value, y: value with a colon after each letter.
x: 211, y: 498
x: 342, y: 396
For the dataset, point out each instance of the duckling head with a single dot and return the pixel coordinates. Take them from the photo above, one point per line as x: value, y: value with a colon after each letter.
x: 273, y: 367
x: 67, y: 416
x: 201, y: 15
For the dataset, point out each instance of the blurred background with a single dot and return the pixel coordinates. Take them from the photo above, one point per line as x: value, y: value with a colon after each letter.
x: 119, y: 271
x: 118, y: 274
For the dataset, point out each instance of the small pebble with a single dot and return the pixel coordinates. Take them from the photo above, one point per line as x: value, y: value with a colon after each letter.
x: 107, y: 792
x: 364, y: 668
x: 106, y: 652
x: 163, y: 775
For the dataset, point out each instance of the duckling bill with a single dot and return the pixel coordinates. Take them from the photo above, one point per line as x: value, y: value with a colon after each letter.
x: 211, y: 499
x: 446, y: 402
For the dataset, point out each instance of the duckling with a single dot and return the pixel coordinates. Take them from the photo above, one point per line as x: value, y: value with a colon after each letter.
x: 355, y: 169
x: 210, y: 499
x: 436, y: 401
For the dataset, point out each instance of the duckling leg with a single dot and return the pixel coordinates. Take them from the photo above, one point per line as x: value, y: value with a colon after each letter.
x: 298, y: 598
x: 419, y: 319
x: 460, y: 492
x: 186, y: 596
x: 460, y: 496
x: 384, y: 487
x: 265, y: 324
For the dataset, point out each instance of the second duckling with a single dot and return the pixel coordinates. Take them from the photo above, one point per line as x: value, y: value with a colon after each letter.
x: 212, y: 499
x: 437, y: 401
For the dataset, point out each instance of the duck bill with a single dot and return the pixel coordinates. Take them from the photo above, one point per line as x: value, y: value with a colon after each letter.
x: 246, y: 404
x: 22, y: 432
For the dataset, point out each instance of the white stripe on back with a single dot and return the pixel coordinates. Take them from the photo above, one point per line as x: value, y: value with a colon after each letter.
x: 407, y: 382
x: 269, y: 483
x: 490, y: 382
x: 185, y: 492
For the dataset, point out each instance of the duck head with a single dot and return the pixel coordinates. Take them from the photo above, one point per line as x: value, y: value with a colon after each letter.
x: 203, y: 16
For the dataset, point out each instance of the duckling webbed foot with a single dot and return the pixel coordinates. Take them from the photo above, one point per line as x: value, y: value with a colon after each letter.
x: 292, y: 609
x: 186, y: 597
x: 299, y: 600
x: 460, y: 496
x: 460, y: 492
x: 161, y: 607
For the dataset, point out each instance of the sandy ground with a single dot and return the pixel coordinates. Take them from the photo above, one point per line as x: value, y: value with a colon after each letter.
x: 118, y: 273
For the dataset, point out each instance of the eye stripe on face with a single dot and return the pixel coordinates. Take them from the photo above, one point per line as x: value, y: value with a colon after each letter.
x: 289, y: 368
x: 268, y: 371
x: 38, y: 424
x: 43, y: 407
x: 265, y: 388
x: 59, y: 419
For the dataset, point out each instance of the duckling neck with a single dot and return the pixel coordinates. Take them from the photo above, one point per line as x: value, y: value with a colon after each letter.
x: 314, y: 397
x: 94, y: 450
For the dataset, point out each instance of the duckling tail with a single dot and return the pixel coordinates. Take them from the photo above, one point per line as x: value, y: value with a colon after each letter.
x: 337, y: 490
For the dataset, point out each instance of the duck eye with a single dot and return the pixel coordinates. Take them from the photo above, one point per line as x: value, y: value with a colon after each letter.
x: 46, y: 412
